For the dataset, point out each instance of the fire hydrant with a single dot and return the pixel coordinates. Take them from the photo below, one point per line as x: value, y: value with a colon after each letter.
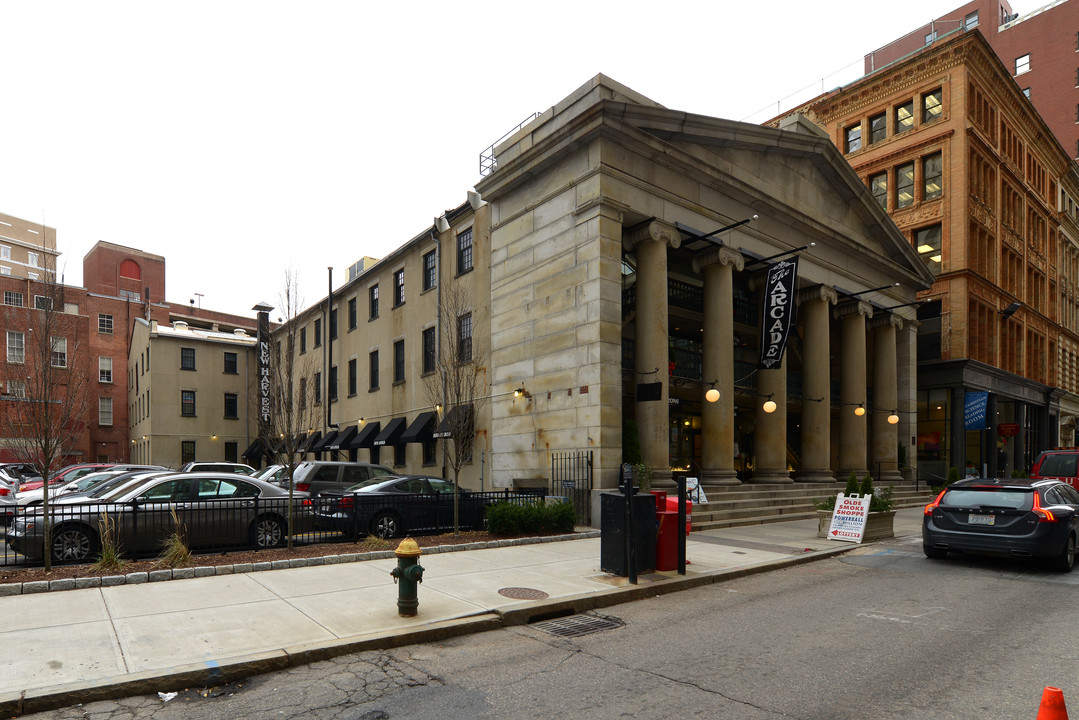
x: 409, y: 572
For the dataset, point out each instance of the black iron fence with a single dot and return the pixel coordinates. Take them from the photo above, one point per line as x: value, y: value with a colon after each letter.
x: 571, y: 477
x: 83, y: 532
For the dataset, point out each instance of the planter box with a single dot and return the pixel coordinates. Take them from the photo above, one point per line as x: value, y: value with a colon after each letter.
x: 878, y: 525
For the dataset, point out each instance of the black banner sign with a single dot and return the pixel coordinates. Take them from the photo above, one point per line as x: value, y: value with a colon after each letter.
x: 778, y: 312
x: 262, y: 359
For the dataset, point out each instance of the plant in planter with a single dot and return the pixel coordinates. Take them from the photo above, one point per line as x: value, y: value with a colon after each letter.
x: 880, y: 521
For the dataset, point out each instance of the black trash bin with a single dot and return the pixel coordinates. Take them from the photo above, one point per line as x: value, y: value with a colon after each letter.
x: 613, y: 531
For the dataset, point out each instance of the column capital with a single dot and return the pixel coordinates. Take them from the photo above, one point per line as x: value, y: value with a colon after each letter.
x: 886, y: 320
x: 819, y: 292
x: 860, y: 307
x: 654, y: 230
x: 719, y: 256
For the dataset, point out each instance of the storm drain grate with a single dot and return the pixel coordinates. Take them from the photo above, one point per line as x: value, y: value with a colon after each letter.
x: 578, y: 625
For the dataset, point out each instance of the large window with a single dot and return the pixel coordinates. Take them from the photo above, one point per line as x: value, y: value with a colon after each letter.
x: 352, y: 377
x: 231, y: 366
x: 332, y: 391
x: 58, y: 358
x: 878, y: 185
x: 104, y: 369
x: 931, y: 177
x: 352, y: 314
x: 430, y: 270
x: 927, y: 243
x: 187, y: 358
x: 318, y: 332
x: 904, y: 185
x: 303, y: 340
x: 429, y: 350
x: 232, y: 406
x: 464, y: 251
x: 904, y: 117
x: 42, y: 302
x: 104, y: 411
x: 373, y: 370
x: 399, y: 288
x: 187, y: 403
x: 853, y: 138
x: 932, y: 108
x: 187, y: 451
x: 16, y: 347
x: 316, y: 387
x: 878, y: 128
x: 372, y: 302
x: 464, y: 338
x: 104, y: 324
x: 13, y: 298
x: 1022, y: 64
x: 399, y: 361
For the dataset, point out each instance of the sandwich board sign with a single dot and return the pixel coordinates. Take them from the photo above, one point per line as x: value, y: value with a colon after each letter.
x: 848, y: 518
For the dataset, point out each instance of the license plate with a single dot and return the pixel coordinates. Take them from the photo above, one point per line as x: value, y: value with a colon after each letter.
x: 982, y: 519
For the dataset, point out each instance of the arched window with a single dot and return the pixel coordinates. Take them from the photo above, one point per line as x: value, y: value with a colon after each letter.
x: 130, y: 269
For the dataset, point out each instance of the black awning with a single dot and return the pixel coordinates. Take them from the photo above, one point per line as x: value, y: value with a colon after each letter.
x: 365, y: 436
x: 391, y: 434
x: 421, y: 428
x: 305, y: 445
x: 323, y: 444
x: 457, y: 414
x: 255, y: 450
x: 343, y: 439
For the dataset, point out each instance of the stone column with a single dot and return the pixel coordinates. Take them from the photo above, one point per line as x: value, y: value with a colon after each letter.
x: 717, y: 418
x: 770, y: 434
x: 885, y: 457
x: 650, y: 242
x: 852, y: 389
x: 814, y: 306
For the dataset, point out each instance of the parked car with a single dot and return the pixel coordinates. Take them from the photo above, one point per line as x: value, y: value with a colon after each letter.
x: 214, y: 509
x: 273, y: 474
x: 317, y: 476
x: 23, y: 471
x: 238, y: 468
x: 1017, y: 517
x: 80, y: 484
x: 393, y: 506
x: 1062, y: 464
x: 72, y: 472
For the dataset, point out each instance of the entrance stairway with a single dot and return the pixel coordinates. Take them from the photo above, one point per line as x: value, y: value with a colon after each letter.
x: 752, y: 504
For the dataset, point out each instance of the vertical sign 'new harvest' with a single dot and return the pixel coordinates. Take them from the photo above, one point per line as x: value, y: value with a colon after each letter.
x: 778, y: 312
x: 263, y: 366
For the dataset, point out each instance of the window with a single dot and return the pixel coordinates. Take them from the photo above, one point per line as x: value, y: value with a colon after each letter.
x: 971, y: 20
x: 399, y: 361
x: 352, y: 377
x: 430, y: 451
x: 232, y: 406
x: 104, y: 324
x: 129, y: 295
x: 41, y: 302
x: 930, y: 37
x: 927, y: 243
x: 429, y: 350
x: 16, y: 347
x: 104, y: 411
x: 5, y: 270
x: 931, y: 177
x: 130, y: 269
x: 13, y: 298
x: 17, y: 388
x: 373, y: 370
x: 1022, y: 64
x: 352, y: 314
x: 187, y: 403
x: 316, y: 387
x: 5, y: 252
x: 104, y: 369
x: 372, y: 295
x: 878, y: 185
x: 904, y: 185
x: 464, y: 338
x: 853, y: 138
x: 318, y: 332
x: 932, y: 106
x: 878, y: 128
x: 231, y: 366
x: 301, y: 401
x: 187, y: 451
x: 58, y: 357
x: 333, y: 324
x: 464, y: 251
x: 1026, y: 93
x: 232, y: 454
x: 187, y: 358
x: 333, y: 384
x: 430, y: 271
x: 303, y: 340
x: 399, y: 288
x: 399, y: 455
x: 32, y: 259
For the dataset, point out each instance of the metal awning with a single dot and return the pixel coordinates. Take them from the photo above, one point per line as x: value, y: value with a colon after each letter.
x: 365, y: 436
x: 322, y: 444
x: 255, y: 450
x: 343, y: 439
x: 421, y: 428
x: 305, y: 445
x: 391, y: 434
x: 457, y: 414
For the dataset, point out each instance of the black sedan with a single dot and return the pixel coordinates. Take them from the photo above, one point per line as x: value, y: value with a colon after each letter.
x: 1017, y: 517
x: 208, y: 509
x: 393, y: 506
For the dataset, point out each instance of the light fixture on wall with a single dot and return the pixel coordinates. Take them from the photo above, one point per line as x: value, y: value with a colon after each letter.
x: 712, y: 394
x: 519, y: 392
x: 1010, y: 310
x: 859, y: 407
x: 893, y: 417
x: 769, y: 404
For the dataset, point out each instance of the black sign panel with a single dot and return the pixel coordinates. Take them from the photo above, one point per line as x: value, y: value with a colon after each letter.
x: 649, y: 391
x: 777, y: 312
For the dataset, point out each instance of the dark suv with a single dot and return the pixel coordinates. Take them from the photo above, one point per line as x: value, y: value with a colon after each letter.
x: 319, y: 475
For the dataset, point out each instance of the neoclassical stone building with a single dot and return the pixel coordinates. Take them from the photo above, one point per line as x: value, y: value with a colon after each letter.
x: 619, y: 257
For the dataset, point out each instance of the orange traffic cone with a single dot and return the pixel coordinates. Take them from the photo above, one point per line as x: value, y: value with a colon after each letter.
x: 1052, y: 707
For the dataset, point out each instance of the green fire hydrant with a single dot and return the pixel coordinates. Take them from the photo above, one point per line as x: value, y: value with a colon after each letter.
x: 410, y: 573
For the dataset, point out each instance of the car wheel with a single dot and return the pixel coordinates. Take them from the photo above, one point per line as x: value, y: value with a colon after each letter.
x: 268, y: 532
x: 73, y: 543
x: 934, y: 553
x: 386, y: 525
x: 1066, y: 561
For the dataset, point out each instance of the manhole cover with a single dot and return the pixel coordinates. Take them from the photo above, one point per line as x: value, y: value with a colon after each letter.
x: 523, y: 594
x: 577, y: 625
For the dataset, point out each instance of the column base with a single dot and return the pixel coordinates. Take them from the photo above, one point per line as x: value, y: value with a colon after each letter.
x: 771, y: 477
x: 719, y: 477
x: 662, y: 479
x: 815, y: 476
x: 888, y: 477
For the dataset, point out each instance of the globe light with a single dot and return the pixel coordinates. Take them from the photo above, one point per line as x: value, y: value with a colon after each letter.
x: 893, y: 419
x: 769, y: 406
x: 859, y: 411
x: 712, y: 395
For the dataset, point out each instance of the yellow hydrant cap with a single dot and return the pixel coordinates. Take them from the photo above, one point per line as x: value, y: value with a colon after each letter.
x: 407, y: 548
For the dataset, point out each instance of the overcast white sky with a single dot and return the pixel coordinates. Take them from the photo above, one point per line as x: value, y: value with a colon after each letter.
x: 238, y: 139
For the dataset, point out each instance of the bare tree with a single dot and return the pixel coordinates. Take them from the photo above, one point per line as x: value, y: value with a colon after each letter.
x: 459, y: 383
x: 47, y: 376
x: 292, y: 388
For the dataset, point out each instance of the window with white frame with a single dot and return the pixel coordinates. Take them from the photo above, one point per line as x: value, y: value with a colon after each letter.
x: 104, y: 323
x: 104, y: 411
x: 5, y: 252
x: 17, y: 388
x: 104, y: 369
x: 1022, y: 64
x: 16, y: 347
x: 31, y: 276
x: 58, y: 358
x: 971, y: 20
x: 32, y: 259
x: 13, y: 298
x: 5, y: 270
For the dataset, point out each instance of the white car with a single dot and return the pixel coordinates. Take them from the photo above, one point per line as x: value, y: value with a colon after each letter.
x: 79, y: 484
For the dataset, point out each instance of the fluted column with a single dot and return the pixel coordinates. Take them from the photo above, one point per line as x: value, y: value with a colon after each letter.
x: 770, y: 434
x: 650, y: 242
x: 814, y: 306
x: 717, y: 419
x: 885, y: 448
x: 852, y: 389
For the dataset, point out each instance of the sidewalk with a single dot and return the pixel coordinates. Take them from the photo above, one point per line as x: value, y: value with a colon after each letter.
x: 79, y: 645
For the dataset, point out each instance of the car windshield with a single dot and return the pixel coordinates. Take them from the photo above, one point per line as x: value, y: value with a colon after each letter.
x: 1059, y: 465
x: 1008, y: 498
x: 366, y: 485
x: 86, y: 482
x: 107, y: 489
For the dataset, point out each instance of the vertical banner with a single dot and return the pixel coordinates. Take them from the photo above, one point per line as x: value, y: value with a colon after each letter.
x: 263, y: 369
x: 778, y: 312
x: 974, y: 410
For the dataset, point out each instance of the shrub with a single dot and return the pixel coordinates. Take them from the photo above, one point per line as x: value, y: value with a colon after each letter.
x: 852, y: 484
x: 174, y: 550
x: 110, y: 557
x: 507, y: 518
